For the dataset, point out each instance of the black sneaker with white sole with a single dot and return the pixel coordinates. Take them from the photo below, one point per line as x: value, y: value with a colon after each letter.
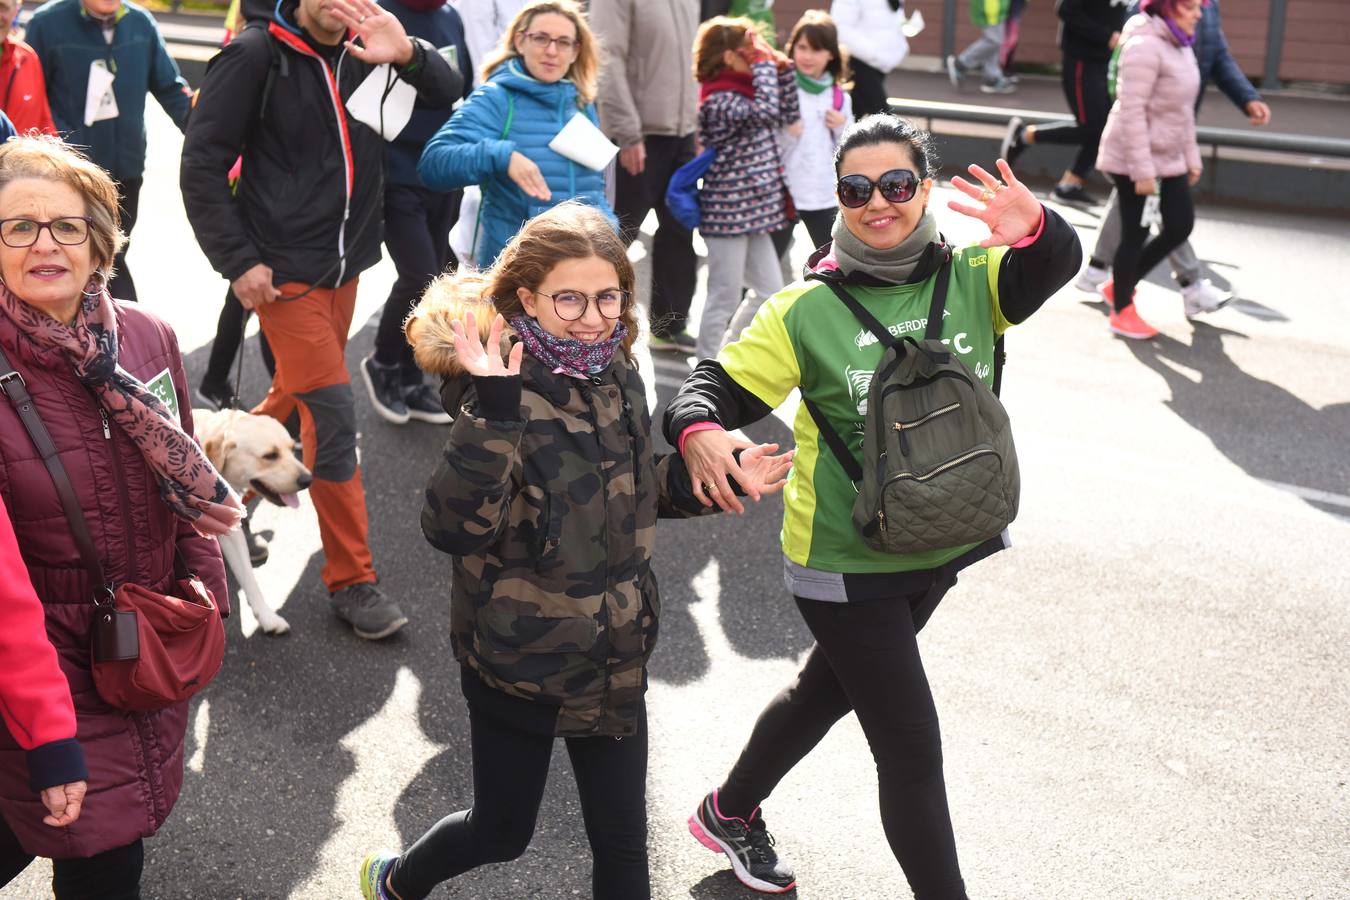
x: 1072, y: 193
x: 424, y: 405
x: 210, y: 395
x: 747, y: 844
x: 1013, y: 141
x: 385, y: 386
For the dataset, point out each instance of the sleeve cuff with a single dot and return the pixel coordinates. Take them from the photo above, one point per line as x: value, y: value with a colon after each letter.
x: 56, y: 762
x: 698, y: 426
x: 498, y: 397
x: 1031, y: 238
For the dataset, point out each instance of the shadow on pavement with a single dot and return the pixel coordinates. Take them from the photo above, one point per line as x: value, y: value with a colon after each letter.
x: 1238, y: 411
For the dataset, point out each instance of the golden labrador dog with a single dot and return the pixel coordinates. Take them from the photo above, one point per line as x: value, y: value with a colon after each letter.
x: 252, y: 453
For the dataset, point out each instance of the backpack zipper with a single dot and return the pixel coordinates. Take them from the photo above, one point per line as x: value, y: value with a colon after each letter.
x: 902, y: 426
x: 949, y: 464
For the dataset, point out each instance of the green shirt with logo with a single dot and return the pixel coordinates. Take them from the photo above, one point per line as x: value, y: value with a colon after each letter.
x: 804, y: 337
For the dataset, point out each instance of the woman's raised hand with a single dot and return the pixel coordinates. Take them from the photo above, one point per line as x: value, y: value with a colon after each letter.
x: 475, y: 356
x: 766, y: 471
x: 1009, y: 209
x: 710, y: 457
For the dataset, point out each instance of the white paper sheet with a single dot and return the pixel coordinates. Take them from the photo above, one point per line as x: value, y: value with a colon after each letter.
x: 99, y: 101
x: 383, y: 89
x: 581, y: 142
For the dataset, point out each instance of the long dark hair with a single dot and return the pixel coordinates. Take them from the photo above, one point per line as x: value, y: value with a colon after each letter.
x: 884, y: 128
x: 819, y: 31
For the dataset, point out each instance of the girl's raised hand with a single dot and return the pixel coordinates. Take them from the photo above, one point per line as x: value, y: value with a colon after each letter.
x: 766, y: 472
x: 1010, y: 211
x: 476, y: 357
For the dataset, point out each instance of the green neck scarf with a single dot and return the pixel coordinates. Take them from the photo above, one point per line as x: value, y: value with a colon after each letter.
x: 811, y: 85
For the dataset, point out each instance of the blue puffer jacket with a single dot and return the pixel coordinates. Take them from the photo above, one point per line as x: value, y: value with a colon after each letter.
x: 68, y: 40
x: 475, y: 147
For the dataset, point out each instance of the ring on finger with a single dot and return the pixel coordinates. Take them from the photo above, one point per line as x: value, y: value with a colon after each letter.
x: 709, y: 487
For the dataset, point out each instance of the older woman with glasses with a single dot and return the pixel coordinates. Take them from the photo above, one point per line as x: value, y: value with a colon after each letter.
x: 863, y: 607
x: 545, y: 71
x: 107, y: 381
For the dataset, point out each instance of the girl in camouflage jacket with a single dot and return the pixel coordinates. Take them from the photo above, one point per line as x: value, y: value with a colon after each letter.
x: 547, y: 497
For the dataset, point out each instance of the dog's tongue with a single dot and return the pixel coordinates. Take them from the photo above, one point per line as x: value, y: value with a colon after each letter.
x: 291, y: 500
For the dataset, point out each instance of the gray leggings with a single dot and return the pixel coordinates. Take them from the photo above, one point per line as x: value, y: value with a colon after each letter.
x: 742, y: 261
x: 1185, y: 264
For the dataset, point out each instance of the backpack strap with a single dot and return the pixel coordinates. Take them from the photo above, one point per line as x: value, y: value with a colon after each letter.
x: 835, y: 443
x: 838, y: 97
x: 506, y: 129
x: 862, y: 314
x: 939, y: 305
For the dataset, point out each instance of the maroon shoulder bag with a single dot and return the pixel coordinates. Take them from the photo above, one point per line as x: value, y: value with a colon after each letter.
x: 149, y: 650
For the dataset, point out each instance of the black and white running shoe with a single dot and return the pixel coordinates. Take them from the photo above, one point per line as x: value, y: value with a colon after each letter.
x: 747, y: 844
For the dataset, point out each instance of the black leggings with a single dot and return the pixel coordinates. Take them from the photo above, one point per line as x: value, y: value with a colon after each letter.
x: 1085, y: 87
x: 417, y: 223
x: 1135, y: 258
x: 111, y: 875
x: 510, y: 768
x: 819, y: 223
x: 865, y: 660
x: 869, y: 89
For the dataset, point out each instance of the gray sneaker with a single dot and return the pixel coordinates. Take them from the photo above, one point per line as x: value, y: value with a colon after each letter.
x: 371, y: 614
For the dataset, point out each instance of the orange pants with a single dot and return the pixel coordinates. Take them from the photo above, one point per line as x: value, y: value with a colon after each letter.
x: 309, y: 339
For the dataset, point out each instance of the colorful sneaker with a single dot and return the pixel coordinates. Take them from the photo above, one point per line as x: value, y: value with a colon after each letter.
x: 747, y: 844
x: 1200, y: 297
x: 374, y: 876
x: 1126, y: 322
x: 1013, y: 144
x: 385, y: 386
x: 424, y: 405
x: 1091, y: 279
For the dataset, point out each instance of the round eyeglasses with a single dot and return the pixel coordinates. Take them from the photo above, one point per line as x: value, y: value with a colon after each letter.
x: 70, y: 231
x: 571, y: 305
x: 897, y: 186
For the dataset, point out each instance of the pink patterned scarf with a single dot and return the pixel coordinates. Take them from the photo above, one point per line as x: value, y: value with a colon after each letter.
x: 189, y: 484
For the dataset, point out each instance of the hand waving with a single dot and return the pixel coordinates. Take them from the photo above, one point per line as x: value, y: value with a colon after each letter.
x: 383, y: 39
x: 1010, y: 210
x: 475, y: 356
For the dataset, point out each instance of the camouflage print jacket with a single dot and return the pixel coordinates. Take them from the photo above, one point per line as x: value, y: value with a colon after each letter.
x: 550, y: 514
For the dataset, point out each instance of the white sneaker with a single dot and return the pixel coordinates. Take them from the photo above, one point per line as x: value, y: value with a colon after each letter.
x: 1202, y: 296
x: 1091, y: 279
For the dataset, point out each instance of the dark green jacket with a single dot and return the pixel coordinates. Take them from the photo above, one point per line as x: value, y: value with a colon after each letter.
x: 549, y: 505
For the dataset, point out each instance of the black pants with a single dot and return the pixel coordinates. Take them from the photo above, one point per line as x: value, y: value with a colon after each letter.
x: 229, y: 334
x: 674, y: 262
x: 129, y: 203
x: 112, y: 875
x: 819, y: 224
x: 1085, y: 87
x: 869, y: 89
x: 865, y: 660
x: 417, y: 223
x: 1136, y: 256
x: 510, y: 768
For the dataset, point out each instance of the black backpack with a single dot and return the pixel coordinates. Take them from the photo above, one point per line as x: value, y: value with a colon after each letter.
x: 939, y: 466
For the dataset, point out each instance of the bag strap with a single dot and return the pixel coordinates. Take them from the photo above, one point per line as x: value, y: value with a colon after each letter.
x: 835, y: 443
x: 506, y: 129
x: 862, y: 314
x: 939, y: 304
x: 13, y: 386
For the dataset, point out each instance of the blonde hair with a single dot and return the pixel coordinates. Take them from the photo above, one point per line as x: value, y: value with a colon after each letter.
x: 49, y: 158
x: 715, y: 37
x: 585, y: 69
x: 570, y: 230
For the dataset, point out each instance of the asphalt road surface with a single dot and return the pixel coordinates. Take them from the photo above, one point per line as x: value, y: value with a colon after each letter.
x: 1147, y: 697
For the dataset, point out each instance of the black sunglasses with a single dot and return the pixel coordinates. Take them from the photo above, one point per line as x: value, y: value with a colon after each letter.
x: 897, y: 186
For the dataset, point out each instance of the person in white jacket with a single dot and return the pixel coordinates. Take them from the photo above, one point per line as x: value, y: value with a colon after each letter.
x: 808, y: 154
x: 484, y: 22
x: 872, y: 33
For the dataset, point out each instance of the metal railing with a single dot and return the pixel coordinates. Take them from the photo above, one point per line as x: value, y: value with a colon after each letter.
x: 1307, y: 145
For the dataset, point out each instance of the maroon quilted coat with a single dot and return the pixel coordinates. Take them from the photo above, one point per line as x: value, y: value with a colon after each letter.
x: 135, y: 760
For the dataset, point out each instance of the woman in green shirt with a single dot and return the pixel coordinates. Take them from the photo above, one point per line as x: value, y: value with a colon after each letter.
x: 863, y: 607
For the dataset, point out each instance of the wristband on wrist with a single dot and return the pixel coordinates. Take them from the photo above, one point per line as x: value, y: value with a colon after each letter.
x: 418, y: 57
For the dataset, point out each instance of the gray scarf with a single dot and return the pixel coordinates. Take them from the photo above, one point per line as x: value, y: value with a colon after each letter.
x: 895, y: 264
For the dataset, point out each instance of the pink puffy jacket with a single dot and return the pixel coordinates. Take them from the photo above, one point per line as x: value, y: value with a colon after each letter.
x: 1150, y: 132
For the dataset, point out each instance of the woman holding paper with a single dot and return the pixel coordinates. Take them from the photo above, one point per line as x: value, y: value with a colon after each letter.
x: 509, y: 138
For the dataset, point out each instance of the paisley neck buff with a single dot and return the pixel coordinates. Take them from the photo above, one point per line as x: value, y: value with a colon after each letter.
x: 189, y: 484
x: 568, y: 356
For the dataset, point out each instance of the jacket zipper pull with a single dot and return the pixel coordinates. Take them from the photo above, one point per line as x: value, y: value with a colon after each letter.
x: 107, y: 432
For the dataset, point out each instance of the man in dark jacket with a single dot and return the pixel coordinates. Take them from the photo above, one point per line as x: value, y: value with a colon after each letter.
x: 1198, y: 294
x: 417, y: 223
x: 119, y: 42
x: 303, y: 223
